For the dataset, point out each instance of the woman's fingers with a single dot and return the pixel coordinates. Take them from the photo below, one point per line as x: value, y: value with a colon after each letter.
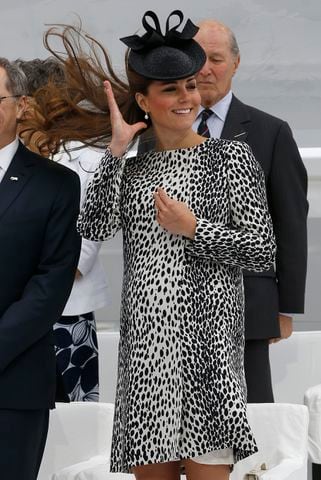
x: 161, y: 201
x: 174, y: 216
x: 113, y: 107
x: 122, y: 132
x: 162, y: 196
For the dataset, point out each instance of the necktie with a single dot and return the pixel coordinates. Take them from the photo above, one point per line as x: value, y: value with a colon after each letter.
x: 203, y: 127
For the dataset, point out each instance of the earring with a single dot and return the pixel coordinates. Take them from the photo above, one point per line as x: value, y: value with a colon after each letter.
x: 146, y: 116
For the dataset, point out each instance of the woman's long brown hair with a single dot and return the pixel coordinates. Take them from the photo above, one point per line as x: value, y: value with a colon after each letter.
x: 77, y: 109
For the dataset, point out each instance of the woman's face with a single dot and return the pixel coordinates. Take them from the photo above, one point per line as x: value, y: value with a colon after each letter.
x: 172, y: 105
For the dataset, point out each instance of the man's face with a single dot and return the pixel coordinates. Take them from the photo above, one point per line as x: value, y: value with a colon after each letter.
x: 215, y: 78
x: 11, y: 109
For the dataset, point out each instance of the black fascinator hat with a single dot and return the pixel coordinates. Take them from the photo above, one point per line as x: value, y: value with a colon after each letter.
x: 171, y: 56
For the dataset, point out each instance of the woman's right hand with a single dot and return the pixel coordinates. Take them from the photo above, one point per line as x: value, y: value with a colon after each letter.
x: 122, y: 132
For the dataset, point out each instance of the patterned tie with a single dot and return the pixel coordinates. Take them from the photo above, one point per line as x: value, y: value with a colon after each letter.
x: 203, y: 127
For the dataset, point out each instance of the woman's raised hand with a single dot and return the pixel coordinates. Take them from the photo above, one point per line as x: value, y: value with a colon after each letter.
x: 122, y: 132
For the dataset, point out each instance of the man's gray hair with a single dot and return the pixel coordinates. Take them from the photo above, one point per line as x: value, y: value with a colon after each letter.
x: 233, y: 43
x: 17, y: 80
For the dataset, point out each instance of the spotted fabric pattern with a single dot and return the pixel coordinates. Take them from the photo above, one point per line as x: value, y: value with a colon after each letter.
x: 181, y: 391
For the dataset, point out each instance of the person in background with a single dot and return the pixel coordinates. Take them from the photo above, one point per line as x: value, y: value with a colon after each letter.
x: 39, y: 245
x: 75, y: 332
x: 273, y: 297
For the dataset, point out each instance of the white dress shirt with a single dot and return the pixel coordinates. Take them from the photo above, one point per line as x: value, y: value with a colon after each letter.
x: 90, y: 291
x: 216, y: 121
x: 6, y: 155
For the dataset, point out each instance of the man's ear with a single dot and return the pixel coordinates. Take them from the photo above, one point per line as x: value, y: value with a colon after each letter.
x: 141, y: 101
x: 236, y: 63
x: 21, y: 106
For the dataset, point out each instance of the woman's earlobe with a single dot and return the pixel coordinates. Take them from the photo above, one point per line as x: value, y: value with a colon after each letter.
x: 140, y: 100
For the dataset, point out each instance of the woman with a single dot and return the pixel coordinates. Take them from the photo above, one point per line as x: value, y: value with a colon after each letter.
x: 76, y: 333
x: 193, y: 213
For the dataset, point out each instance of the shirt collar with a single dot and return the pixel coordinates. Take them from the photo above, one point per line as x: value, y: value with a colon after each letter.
x: 7, y: 153
x: 220, y: 108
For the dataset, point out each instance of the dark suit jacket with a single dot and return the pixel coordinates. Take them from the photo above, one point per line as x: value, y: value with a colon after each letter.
x: 283, y: 289
x: 39, y: 248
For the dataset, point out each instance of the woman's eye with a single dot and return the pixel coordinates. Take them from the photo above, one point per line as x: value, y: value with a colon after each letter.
x: 169, y: 89
x: 191, y: 87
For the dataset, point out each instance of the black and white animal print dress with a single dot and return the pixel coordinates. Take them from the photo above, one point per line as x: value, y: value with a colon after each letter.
x: 181, y: 391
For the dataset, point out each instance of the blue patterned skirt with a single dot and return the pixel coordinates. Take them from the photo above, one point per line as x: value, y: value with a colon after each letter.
x: 77, y: 357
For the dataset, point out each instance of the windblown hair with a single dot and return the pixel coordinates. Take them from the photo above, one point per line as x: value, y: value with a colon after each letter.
x: 77, y: 109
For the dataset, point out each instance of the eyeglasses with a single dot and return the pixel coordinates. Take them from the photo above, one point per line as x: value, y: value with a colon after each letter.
x: 9, y: 96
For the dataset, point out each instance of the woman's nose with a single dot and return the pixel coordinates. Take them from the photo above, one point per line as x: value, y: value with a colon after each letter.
x: 183, y: 95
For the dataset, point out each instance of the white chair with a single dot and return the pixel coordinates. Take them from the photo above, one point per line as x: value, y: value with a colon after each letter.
x: 312, y: 399
x: 296, y: 366
x: 79, y: 441
x: 78, y: 432
x: 281, y: 433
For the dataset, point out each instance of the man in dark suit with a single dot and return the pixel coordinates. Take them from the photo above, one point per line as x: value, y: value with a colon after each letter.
x: 39, y: 248
x: 271, y: 298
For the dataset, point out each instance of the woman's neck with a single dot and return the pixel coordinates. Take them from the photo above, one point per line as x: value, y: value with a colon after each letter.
x: 173, y: 141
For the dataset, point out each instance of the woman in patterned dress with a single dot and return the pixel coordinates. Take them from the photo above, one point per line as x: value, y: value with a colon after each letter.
x: 193, y: 213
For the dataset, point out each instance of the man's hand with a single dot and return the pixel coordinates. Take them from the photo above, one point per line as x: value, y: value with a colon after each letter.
x: 174, y: 216
x: 286, y: 328
x: 78, y: 274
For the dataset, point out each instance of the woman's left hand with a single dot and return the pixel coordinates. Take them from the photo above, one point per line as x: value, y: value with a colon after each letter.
x: 173, y: 215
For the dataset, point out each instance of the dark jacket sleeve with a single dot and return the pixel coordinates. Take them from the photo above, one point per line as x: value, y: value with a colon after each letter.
x: 287, y: 193
x: 32, y: 316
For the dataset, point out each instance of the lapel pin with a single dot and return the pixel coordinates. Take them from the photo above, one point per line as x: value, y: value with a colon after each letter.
x: 239, y: 134
x: 14, y: 179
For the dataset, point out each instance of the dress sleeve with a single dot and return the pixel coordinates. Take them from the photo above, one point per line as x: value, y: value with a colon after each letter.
x: 99, y: 218
x: 247, y: 241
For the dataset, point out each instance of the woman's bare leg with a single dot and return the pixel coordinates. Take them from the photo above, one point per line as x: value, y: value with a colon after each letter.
x: 199, y: 471
x: 158, y: 471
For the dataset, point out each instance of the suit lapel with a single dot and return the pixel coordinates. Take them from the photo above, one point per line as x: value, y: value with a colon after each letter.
x: 237, y: 122
x: 16, y: 177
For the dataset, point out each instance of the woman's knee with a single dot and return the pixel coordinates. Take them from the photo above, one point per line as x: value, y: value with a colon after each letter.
x: 200, y: 471
x: 158, y: 471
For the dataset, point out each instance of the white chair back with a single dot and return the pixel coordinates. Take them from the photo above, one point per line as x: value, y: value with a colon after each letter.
x: 77, y: 432
x: 312, y: 400
x: 281, y: 433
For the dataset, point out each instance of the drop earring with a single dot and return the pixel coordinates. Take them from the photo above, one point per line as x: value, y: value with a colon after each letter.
x: 146, y: 116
